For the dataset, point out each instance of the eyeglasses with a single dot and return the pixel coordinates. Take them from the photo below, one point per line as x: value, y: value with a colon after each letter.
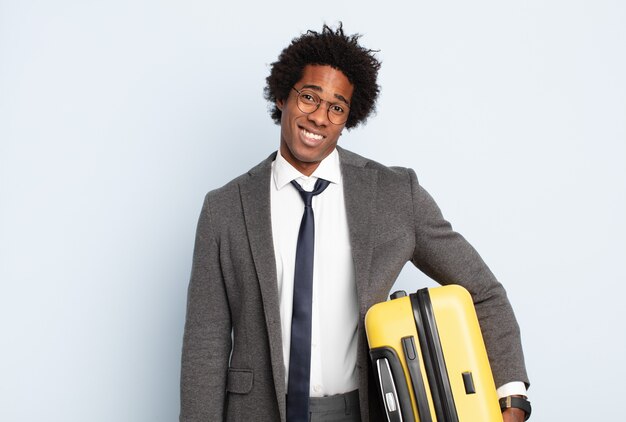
x: 309, y: 102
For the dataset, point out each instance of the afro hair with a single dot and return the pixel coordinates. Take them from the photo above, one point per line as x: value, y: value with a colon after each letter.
x: 333, y: 48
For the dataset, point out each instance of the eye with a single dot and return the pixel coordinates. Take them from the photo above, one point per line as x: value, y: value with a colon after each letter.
x: 337, y: 109
x: 307, y: 97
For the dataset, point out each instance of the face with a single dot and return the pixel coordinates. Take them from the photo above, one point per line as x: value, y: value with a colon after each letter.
x: 306, y: 139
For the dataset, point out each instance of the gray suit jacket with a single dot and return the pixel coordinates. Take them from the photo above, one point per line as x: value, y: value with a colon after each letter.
x: 232, y: 361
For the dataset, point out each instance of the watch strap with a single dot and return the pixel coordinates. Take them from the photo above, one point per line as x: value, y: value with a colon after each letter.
x: 517, y: 402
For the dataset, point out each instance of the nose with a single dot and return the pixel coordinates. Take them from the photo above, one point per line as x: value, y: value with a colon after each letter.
x: 320, y: 116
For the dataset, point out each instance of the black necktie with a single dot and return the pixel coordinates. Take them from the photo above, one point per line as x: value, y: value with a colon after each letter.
x: 300, y: 353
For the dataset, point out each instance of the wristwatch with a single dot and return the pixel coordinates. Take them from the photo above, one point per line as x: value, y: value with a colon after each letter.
x: 517, y: 402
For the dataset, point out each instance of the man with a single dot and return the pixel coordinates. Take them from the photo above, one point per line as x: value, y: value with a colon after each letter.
x: 276, y: 262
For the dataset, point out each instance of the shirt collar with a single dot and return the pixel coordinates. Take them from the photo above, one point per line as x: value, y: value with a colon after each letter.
x: 284, y: 173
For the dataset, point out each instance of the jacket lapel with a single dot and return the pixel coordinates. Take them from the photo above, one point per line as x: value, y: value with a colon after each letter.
x: 360, y: 185
x: 255, y: 198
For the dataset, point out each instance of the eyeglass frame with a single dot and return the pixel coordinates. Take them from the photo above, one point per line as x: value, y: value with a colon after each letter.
x: 320, y: 103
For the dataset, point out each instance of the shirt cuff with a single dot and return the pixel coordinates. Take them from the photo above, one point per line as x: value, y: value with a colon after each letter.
x: 512, y: 389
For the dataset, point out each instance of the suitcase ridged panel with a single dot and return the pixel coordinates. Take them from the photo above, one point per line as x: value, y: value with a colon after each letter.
x: 459, y: 330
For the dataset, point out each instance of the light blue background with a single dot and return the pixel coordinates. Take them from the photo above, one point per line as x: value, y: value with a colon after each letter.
x: 117, y: 117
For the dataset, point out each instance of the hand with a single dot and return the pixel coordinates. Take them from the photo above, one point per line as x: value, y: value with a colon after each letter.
x: 513, y: 415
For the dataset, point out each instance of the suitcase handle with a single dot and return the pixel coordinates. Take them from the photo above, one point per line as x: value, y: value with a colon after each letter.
x: 389, y: 392
x: 394, y: 392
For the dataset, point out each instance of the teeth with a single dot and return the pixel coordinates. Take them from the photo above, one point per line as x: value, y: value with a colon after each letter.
x: 311, y: 135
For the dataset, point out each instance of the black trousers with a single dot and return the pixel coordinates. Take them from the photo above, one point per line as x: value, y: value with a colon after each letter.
x: 338, y: 408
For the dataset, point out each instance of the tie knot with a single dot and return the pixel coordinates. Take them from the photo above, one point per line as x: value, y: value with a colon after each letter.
x: 307, y: 197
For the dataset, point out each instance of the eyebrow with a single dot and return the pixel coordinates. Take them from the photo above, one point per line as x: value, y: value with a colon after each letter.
x: 319, y: 89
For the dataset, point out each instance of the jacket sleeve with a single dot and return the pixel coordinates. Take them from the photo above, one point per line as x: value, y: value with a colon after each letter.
x: 445, y: 256
x: 207, y: 337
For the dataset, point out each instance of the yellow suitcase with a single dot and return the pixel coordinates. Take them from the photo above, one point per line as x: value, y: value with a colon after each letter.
x: 429, y: 357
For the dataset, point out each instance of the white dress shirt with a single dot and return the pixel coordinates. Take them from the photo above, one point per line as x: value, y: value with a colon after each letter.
x: 335, y: 308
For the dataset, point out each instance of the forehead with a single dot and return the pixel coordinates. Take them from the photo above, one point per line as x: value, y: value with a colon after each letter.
x: 330, y: 80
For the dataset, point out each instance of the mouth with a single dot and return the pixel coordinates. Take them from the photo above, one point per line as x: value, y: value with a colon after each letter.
x: 311, y: 137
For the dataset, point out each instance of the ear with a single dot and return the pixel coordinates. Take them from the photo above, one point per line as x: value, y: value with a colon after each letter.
x: 280, y: 104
